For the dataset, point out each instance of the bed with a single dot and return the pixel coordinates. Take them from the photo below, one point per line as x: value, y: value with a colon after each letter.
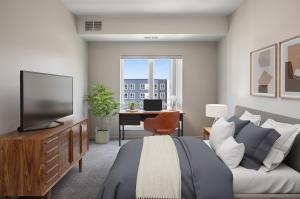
x: 214, y: 179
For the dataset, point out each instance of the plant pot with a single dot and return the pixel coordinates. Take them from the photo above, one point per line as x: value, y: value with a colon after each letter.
x: 101, y: 136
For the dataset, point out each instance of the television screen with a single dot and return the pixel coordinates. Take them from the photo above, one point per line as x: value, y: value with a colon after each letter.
x: 44, y: 99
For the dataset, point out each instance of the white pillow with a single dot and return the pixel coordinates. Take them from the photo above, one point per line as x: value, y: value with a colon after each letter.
x: 231, y: 152
x: 283, y: 144
x: 255, y: 119
x: 220, y: 131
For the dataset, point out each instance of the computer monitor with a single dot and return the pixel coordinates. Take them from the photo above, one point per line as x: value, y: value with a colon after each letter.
x: 152, y: 104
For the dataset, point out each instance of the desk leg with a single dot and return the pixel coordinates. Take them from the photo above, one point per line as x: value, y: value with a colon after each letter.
x: 178, y: 130
x: 123, y: 132
x: 181, y: 127
x: 119, y: 135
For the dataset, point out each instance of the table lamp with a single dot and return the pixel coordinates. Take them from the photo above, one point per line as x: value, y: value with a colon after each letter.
x: 216, y: 111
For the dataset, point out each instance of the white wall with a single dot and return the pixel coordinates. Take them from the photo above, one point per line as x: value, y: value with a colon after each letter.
x: 199, y: 74
x: 38, y: 36
x: 256, y: 24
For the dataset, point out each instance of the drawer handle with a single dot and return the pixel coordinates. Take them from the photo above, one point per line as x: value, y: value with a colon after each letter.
x: 54, y: 148
x: 54, y: 157
x: 51, y: 178
x: 51, y: 140
x: 49, y: 171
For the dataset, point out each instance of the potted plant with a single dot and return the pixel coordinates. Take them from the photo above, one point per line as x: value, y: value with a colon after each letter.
x: 132, y: 106
x: 103, y: 106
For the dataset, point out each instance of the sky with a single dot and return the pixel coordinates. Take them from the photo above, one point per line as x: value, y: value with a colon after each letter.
x: 138, y: 68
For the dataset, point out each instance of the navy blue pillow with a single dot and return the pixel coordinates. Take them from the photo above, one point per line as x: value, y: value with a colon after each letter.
x: 239, y: 124
x: 258, y: 142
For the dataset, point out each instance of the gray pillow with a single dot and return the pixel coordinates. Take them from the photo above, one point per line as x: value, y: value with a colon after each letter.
x: 239, y: 124
x: 258, y: 142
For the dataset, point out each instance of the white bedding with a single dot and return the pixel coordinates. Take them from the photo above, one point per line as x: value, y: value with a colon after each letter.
x: 281, y: 180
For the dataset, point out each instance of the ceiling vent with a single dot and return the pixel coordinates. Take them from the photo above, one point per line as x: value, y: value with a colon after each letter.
x: 93, y: 25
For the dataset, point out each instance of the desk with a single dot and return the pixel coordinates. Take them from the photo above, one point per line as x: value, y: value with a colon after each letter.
x: 135, y: 118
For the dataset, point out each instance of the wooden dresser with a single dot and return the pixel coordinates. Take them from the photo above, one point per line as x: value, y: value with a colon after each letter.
x: 31, y: 163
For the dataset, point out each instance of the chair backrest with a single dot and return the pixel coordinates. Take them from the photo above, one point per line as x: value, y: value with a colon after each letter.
x: 168, y: 120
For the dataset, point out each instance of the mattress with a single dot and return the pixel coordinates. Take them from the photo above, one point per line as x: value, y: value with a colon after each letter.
x: 283, y: 179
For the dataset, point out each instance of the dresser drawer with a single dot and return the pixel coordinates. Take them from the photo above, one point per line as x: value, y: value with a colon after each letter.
x: 50, y: 163
x: 51, y: 153
x: 50, y: 144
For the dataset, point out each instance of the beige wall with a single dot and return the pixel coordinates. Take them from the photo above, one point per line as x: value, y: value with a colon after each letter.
x: 256, y: 24
x: 38, y: 36
x: 199, y: 74
x: 210, y: 26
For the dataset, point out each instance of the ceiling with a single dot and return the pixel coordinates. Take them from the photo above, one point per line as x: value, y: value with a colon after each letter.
x: 152, y: 7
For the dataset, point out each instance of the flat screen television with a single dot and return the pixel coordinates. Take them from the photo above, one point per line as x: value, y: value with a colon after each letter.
x: 44, y: 98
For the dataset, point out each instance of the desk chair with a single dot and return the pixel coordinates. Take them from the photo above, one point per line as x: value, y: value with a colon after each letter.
x: 163, y: 124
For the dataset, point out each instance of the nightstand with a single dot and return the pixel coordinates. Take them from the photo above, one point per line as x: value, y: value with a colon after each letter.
x: 205, y: 133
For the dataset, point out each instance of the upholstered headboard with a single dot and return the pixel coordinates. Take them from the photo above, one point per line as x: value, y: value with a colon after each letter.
x: 293, y: 159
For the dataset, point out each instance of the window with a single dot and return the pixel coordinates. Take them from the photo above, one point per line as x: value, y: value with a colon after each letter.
x: 125, y: 86
x: 162, y: 95
x: 157, y: 78
x: 125, y: 95
x: 132, y: 95
x: 132, y: 86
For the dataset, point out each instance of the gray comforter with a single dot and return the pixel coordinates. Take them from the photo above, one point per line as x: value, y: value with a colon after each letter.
x: 203, y: 175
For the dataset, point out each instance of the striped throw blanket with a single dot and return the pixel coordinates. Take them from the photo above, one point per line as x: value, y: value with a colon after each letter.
x: 159, y: 175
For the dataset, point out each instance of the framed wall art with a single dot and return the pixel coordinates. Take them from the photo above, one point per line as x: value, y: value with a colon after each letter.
x: 290, y: 68
x: 263, y: 70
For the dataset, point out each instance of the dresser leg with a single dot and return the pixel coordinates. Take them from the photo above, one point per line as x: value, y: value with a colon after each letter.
x: 48, y: 195
x: 80, y: 165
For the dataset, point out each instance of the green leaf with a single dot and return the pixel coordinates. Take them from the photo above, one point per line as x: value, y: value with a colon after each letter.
x: 101, y: 102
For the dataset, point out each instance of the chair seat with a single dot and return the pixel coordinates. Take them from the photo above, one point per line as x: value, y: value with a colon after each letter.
x: 164, y: 131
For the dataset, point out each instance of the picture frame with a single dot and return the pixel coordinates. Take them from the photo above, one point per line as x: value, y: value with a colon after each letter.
x: 289, y: 59
x: 263, y: 71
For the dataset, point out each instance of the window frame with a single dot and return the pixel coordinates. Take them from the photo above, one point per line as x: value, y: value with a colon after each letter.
x: 132, y: 86
x: 133, y: 96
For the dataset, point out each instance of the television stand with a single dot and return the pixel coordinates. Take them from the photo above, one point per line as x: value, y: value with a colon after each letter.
x: 32, y: 163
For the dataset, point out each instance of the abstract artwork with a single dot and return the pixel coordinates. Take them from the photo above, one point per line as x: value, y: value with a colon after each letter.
x: 290, y: 68
x: 263, y: 71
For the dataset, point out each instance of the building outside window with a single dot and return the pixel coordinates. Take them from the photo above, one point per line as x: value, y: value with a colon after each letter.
x: 142, y: 86
x: 125, y: 86
x: 132, y: 95
x: 132, y: 86
x: 156, y: 79
x: 125, y: 95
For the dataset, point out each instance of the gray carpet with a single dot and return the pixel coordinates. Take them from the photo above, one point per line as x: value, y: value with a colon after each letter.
x: 86, y: 185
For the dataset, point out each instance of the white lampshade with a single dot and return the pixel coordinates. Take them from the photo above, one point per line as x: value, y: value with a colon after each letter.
x: 216, y: 110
